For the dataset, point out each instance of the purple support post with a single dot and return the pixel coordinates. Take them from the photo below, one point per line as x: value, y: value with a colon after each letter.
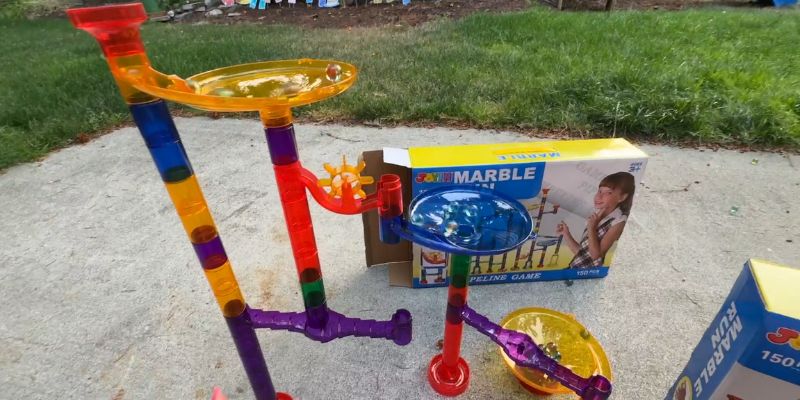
x: 244, y: 336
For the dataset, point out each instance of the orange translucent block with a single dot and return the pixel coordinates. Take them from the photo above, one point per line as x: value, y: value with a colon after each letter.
x: 190, y: 204
x: 129, y: 65
x: 226, y: 290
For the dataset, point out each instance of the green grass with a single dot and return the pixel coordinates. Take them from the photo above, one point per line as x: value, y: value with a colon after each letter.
x: 706, y: 76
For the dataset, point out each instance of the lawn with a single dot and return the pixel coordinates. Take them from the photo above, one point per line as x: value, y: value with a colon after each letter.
x: 702, y: 76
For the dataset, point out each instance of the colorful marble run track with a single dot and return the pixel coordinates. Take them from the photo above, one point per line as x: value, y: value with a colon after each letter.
x: 464, y: 222
x: 272, y: 88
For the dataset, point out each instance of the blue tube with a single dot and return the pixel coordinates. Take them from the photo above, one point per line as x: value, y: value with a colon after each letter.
x: 162, y: 139
x: 385, y: 231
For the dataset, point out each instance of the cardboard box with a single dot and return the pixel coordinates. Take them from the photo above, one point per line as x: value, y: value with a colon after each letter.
x: 751, y: 351
x: 558, y: 181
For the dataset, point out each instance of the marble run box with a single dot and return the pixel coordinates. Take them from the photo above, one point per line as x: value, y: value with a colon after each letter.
x: 579, y: 194
x: 751, y: 351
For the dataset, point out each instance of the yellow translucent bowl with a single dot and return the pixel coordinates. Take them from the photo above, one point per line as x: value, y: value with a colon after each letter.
x: 251, y: 87
x: 580, y: 351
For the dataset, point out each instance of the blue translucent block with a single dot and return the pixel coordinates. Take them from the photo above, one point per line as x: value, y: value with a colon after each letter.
x: 386, y: 234
x: 171, y: 161
x: 155, y: 123
x: 162, y: 139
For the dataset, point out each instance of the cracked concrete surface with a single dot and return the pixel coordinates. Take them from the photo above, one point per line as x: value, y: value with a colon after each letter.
x: 103, y: 297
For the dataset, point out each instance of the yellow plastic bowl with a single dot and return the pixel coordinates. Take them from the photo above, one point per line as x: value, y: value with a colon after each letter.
x: 580, y: 351
x: 251, y: 87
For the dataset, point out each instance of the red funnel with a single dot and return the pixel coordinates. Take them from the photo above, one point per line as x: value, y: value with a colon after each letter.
x: 116, y: 27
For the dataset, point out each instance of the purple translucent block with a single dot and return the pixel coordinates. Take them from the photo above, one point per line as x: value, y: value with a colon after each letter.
x: 317, y: 316
x: 525, y: 353
x: 244, y: 336
x: 282, y: 145
x: 211, y: 254
x: 398, y: 329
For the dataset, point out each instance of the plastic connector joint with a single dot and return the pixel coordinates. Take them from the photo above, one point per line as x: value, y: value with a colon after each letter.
x: 398, y: 329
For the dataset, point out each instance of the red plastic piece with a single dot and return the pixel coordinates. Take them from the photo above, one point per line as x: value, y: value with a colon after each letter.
x: 391, y: 196
x: 448, y: 381
x: 298, y: 217
x: 116, y: 27
x: 448, y: 373
x: 346, y: 204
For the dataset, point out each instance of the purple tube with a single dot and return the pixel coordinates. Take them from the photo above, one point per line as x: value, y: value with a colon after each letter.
x: 282, y: 145
x: 398, y: 329
x: 211, y: 253
x: 244, y: 336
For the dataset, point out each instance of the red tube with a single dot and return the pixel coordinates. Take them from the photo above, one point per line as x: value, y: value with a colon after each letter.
x: 448, y: 373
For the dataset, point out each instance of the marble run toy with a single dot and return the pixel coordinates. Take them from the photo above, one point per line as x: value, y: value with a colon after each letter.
x: 432, y: 263
x: 537, y: 243
x: 540, y: 242
x: 272, y: 88
x: 466, y: 222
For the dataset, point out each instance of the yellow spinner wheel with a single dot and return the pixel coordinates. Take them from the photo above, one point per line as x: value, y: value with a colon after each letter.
x: 561, y: 336
x: 345, y: 177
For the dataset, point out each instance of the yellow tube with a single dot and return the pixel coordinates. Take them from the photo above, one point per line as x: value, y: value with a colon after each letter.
x: 226, y: 290
x: 190, y: 204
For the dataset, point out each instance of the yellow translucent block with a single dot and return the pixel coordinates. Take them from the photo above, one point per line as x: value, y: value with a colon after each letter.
x: 226, y: 290
x: 189, y: 203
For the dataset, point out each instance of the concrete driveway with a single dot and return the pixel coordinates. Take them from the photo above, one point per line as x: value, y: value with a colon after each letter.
x: 102, y: 297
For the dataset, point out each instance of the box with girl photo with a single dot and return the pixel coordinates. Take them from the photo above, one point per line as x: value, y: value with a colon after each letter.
x: 580, y: 195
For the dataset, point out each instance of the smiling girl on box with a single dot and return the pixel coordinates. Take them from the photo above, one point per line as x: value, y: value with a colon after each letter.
x: 612, y: 204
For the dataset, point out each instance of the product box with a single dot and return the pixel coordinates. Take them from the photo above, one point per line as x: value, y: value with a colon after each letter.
x: 579, y: 194
x: 751, y: 351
